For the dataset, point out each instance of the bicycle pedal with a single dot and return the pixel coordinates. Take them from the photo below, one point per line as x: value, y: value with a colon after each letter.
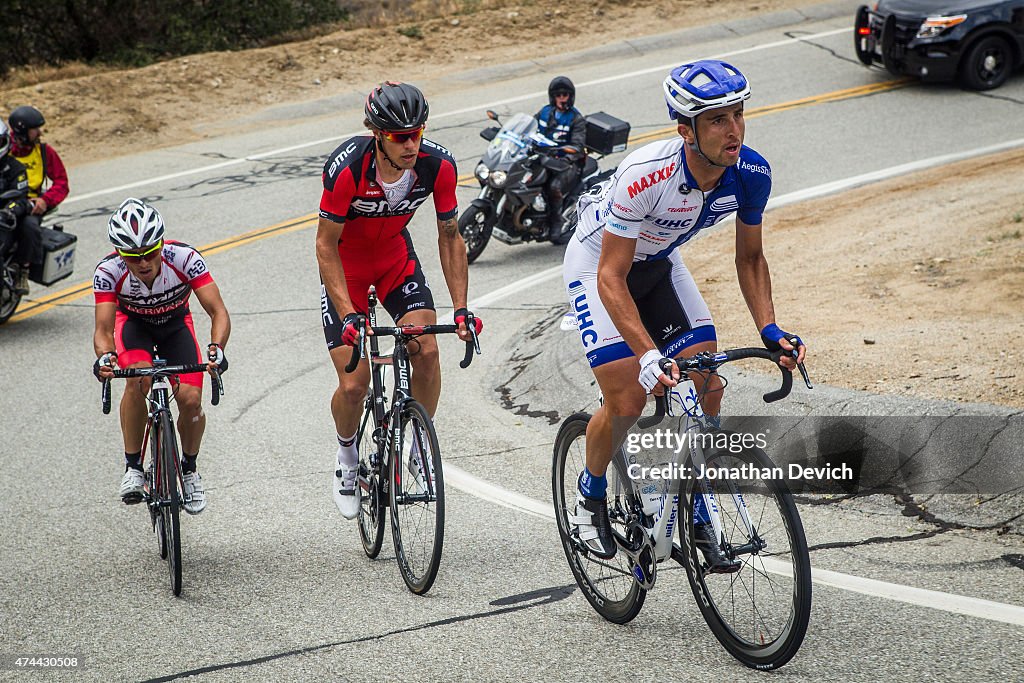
x: 132, y: 498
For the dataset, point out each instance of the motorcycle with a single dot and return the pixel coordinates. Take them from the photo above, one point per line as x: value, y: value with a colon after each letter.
x: 512, y: 205
x: 58, y: 258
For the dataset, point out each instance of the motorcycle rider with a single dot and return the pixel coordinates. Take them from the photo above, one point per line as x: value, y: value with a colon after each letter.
x: 563, y: 123
x: 13, y: 176
x: 42, y: 163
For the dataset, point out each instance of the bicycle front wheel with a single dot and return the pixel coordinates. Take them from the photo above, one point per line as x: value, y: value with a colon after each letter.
x: 417, y: 500
x: 371, y: 496
x: 760, y: 613
x: 608, y: 585
x: 169, y: 499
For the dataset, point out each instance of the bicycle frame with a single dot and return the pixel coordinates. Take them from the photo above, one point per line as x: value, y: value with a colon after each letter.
x: 660, y: 531
x: 399, y: 361
x: 159, y: 404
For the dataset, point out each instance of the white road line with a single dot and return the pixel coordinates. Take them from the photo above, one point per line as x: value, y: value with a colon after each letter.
x: 946, y: 602
x: 891, y: 172
x: 776, y: 203
x: 477, y: 107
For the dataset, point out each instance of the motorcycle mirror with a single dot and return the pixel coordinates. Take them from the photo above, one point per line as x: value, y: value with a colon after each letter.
x: 492, y: 115
x: 489, y: 133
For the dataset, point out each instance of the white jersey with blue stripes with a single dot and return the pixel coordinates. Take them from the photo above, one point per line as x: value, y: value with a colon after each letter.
x: 654, y: 199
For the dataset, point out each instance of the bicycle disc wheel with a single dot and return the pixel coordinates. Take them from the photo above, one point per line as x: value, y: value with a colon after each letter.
x: 371, y: 498
x: 171, y: 501
x: 417, y: 500
x: 608, y: 585
x: 759, y: 613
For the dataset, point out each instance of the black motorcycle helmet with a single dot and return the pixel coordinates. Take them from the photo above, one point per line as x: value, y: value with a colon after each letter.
x: 5, y: 140
x: 22, y: 120
x: 561, y: 84
x: 396, y: 106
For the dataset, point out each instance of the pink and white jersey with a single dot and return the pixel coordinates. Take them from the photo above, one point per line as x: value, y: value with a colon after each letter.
x: 182, y: 269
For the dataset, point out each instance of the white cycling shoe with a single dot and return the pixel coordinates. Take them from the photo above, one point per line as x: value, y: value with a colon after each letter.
x: 195, y: 494
x: 346, y: 490
x: 131, y: 486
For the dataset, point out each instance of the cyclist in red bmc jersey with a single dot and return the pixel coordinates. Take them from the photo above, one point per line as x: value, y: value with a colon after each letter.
x: 372, y: 187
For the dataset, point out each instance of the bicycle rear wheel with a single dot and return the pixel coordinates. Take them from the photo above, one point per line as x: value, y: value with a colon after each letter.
x: 169, y: 499
x: 608, y: 585
x: 371, y: 496
x: 760, y: 613
x: 417, y: 500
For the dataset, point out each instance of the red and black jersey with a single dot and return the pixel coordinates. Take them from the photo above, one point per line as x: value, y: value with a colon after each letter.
x: 353, y: 196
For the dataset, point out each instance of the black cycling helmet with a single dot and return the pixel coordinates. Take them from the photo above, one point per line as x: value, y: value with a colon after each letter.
x: 561, y: 84
x: 24, y: 119
x: 396, y: 106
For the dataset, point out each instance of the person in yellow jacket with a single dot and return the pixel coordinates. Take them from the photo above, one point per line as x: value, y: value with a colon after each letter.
x: 44, y: 167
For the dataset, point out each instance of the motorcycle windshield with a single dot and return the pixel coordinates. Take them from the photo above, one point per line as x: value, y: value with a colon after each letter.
x: 511, y: 142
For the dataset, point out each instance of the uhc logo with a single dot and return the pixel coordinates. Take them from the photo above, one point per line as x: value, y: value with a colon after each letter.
x: 578, y: 295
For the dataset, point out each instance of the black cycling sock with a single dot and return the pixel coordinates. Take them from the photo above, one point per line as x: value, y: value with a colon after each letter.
x: 133, y: 460
x: 188, y: 463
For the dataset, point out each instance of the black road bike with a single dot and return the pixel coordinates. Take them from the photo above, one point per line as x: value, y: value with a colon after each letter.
x: 399, y: 457
x: 162, y: 492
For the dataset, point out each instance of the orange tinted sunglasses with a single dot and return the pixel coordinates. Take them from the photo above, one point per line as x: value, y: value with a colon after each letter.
x: 401, y: 137
x: 147, y: 255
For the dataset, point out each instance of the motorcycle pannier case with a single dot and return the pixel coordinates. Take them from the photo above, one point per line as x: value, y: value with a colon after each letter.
x: 58, y: 257
x: 606, y: 134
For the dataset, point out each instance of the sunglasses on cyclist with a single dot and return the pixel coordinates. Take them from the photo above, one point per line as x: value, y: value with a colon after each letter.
x: 148, y: 255
x: 562, y: 93
x: 401, y: 137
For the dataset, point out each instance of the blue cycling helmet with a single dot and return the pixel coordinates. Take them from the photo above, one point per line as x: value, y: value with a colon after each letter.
x: 692, y: 89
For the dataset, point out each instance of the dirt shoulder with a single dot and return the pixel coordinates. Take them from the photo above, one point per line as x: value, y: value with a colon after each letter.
x: 113, y: 112
x: 926, y: 303
x: 912, y: 286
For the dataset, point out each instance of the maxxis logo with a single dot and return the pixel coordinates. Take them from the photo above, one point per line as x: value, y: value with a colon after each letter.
x: 651, y: 179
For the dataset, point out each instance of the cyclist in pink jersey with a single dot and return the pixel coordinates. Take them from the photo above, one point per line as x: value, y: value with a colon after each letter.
x: 142, y: 292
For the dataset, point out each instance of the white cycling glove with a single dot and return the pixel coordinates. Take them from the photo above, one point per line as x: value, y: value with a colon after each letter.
x: 650, y: 369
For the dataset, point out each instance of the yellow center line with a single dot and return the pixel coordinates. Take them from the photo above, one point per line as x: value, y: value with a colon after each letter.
x: 80, y: 290
x: 835, y: 96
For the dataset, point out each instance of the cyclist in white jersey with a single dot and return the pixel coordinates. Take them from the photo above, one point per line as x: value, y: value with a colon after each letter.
x: 142, y: 292
x: 629, y: 289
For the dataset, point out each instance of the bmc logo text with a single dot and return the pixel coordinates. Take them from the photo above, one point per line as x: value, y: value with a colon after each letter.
x: 340, y: 158
x: 651, y: 179
x: 379, y: 207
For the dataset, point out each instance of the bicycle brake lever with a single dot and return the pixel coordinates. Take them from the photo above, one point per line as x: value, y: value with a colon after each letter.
x: 803, y: 371
x: 476, y: 339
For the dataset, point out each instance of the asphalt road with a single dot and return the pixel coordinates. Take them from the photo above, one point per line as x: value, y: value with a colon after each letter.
x: 276, y: 584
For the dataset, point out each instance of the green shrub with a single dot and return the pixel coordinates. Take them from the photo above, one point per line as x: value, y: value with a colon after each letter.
x: 136, y: 32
